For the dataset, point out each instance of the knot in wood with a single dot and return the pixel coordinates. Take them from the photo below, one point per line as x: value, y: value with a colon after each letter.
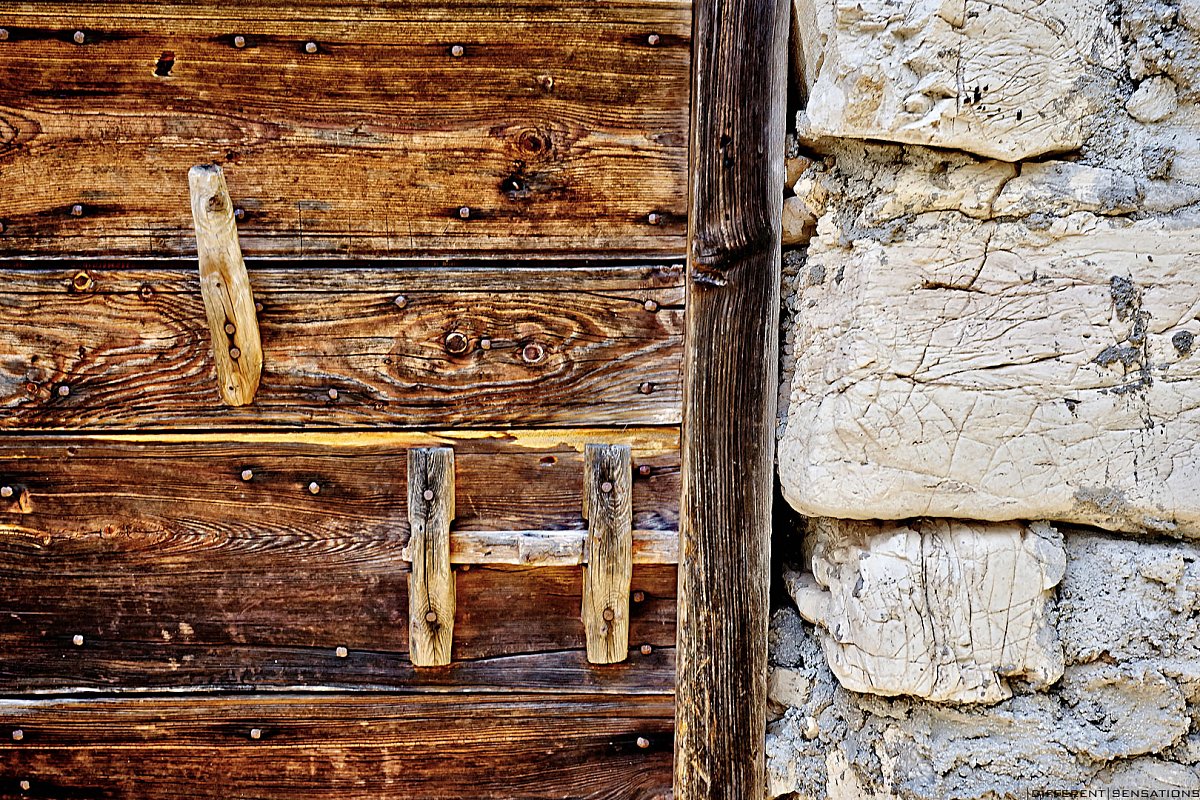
x: 609, y: 616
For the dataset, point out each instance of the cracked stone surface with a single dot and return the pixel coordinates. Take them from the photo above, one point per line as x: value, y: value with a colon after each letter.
x: 1124, y: 714
x: 939, y: 609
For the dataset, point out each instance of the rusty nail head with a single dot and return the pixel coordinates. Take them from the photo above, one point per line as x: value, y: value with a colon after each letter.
x: 644, y: 470
x: 240, y: 213
x: 6, y: 491
x: 230, y: 328
x: 234, y: 353
x: 3, y: 34
x: 342, y: 652
x: 310, y: 47
x: 456, y: 342
x: 606, y: 487
x: 64, y: 390
x: 643, y: 742
x: 247, y: 474
x: 485, y: 344
x: 465, y: 212
x: 401, y: 301
x: 532, y: 352
x: 646, y: 649
x: 457, y: 51
x: 650, y: 305
x: 79, y: 37
x: 430, y: 616
x: 18, y: 735
x: 333, y: 394
x: 25, y: 786
x: 77, y: 640
x: 314, y: 487
x: 654, y: 219
x: 239, y: 41
x: 609, y: 615
x: 258, y: 306
x: 653, y: 39
x: 427, y: 494
x: 646, y: 388
x: 256, y: 733
x: 1, y: 227
x: 547, y: 82
x: 639, y: 597
x: 77, y: 210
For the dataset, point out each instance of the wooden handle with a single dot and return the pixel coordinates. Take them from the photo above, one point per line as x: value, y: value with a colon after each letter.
x: 228, y: 300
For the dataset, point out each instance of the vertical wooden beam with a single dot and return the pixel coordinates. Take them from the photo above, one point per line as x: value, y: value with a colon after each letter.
x: 730, y: 383
x: 608, y: 508
x: 225, y: 286
x: 431, y: 601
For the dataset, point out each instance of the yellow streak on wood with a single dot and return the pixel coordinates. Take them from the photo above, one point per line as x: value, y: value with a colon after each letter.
x: 228, y: 300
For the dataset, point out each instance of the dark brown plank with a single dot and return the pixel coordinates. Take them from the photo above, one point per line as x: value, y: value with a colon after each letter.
x: 178, y: 572
x: 421, y: 748
x: 731, y: 383
x: 562, y: 130
x: 400, y: 346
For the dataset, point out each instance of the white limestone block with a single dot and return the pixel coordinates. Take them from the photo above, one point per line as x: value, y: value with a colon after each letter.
x: 999, y: 370
x: 997, y: 79
x: 1154, y: 100
x: 938, y: 609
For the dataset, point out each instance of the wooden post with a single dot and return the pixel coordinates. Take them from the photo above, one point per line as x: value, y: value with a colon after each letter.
x: 225, y: 286
x: 608, y: 508
x: 431, y: 601
x: 730, y: 383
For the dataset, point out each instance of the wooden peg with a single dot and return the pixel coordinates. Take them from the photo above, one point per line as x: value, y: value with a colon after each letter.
x: 608, y: 508
x: 431, y: 583
x: 228, y: 301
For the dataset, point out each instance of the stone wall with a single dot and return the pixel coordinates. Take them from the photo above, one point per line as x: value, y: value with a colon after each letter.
x: 990, y: 410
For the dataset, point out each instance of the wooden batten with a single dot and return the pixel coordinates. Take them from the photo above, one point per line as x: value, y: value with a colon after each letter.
x: 607, y: 493
x: 225, y: 286
x: 431, y: 598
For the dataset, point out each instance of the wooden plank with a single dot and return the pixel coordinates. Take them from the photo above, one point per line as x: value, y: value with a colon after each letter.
x: 731, y: 383
x: 225, y: 287
x: 183, y: 487
x: 396, y: 346
x: 607, y: 505
x: 438, y: 129
x: 551, y: 548
x: 431, y: 601
x: 421, y: 748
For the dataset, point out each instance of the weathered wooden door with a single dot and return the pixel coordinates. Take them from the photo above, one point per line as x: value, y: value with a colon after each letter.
x: 464, y: 224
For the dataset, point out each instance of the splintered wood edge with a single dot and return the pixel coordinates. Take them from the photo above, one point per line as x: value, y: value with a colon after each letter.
x: 225, y: 287
x: 608, y: 507
x: 431, y: 595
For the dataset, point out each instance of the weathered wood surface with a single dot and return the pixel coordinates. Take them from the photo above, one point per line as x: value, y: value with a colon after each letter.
x: 420, y: 748
x: 185, y: 486
x: 551, y: 548
x: 607, y: 495
x: 225, y: 287
x: 552, y: 130
x: 370, y: 347
x: 730, y: 388
x: 431, y: 602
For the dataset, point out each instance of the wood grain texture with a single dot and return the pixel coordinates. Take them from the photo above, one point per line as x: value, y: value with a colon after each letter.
x: 415, y: 748
x: 607, y: 505
x: 551, y: 548
x: 225, y: 287
x: 431, y: 601
x: 730, y: 387
x: 395, y: 346
x: 554, y: 130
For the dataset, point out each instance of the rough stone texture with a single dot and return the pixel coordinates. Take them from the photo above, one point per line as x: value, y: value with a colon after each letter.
x: 938, y: 609
x: 997, y: 79
x: 1125, y: 714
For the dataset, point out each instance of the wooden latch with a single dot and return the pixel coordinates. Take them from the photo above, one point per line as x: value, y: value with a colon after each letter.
x: 607, y: 577
x: 431, y: 601
x: 225, y: 286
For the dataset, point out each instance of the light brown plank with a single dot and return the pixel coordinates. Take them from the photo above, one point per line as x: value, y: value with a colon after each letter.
x: 607, y: 504
x: 420, y: 748
x: 558, y: 130
x: 397, y: 346
x: 431, y: 601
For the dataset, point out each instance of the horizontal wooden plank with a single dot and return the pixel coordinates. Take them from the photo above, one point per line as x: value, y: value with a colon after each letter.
x: 176, y: 570
x: 423, y: 748
x: 551, y: 548
x: 127, y: 347
x: 434, y: 129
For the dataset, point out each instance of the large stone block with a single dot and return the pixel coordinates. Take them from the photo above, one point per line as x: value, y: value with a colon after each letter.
x: 996, y: 370
x: 998, y: 79
x: 937, y: 609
